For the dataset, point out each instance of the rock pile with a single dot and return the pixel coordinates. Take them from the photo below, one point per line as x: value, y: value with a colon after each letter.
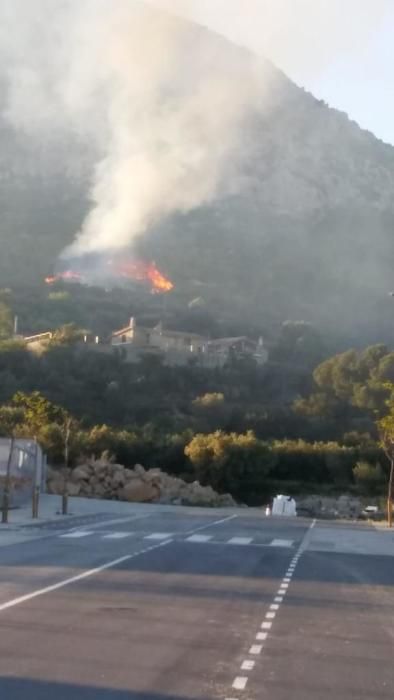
x: 103, y: 479
x: 345, y: 506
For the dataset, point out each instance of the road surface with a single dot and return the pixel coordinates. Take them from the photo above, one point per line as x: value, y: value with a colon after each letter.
x: 183, y: 606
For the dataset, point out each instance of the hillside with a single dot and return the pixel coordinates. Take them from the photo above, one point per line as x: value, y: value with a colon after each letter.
x: 306, y: 235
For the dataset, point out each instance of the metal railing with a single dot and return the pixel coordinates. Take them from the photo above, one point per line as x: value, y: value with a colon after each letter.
x: 22, y: 474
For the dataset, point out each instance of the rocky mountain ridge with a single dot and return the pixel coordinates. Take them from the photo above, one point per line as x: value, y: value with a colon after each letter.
x: 305, y: 234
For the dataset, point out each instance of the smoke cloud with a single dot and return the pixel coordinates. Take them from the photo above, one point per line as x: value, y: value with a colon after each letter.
x: 163, y: 116
x: 300, y: 36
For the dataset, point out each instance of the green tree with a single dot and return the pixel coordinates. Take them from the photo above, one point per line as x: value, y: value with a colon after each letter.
x: 350, y: 387
x: 385, y: 426
x: 238, y: 463
x: 209, y: 400
x: 298, y: 344
x: 6, y: 321
x: 368, y: 477
x: 37, y: 411
x: 51, y: 424
x: 68, y: 334
x: 10, y: 420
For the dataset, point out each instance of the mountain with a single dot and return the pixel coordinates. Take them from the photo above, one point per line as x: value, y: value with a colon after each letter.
x: 306, y: 235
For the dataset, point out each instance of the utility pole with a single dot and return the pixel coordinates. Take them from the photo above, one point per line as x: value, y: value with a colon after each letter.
x: 36, y: 486
x: 67, y: 430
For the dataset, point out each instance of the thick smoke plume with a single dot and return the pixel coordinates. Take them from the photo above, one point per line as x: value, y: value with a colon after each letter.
x: 164, y: 118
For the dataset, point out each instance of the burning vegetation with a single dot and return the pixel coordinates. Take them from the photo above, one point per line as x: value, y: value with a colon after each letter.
x: 113, y: 270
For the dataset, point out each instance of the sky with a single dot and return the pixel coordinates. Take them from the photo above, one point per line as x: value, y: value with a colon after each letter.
x: 341, y: 50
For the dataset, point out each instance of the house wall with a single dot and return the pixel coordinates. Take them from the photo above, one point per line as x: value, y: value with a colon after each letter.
x: 136, y: 336
x: 179, y: 341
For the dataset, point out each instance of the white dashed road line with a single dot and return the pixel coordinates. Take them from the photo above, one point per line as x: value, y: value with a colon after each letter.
x: 117, y: 535
x: 158, y: 536
x: 255, y: 649
x: 199, y: 538
x: 247, y: 665
x: 240, y: 682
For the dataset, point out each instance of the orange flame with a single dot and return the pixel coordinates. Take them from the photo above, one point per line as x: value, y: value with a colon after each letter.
x: 139, y: 270
x: 67, y: 276
x: 129, y: 269
x: 160, y: 283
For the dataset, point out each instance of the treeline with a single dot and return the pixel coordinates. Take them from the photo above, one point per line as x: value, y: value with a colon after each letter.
x: 249, y: 468
x: 245, y: 429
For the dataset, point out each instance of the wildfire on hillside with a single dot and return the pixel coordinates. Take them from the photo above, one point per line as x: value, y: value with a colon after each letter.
x: 66, y: 276
x: 136, y: 270
x: 142, y: 271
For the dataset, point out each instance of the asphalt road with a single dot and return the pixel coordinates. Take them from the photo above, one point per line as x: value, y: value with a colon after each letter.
x: 185, y: 607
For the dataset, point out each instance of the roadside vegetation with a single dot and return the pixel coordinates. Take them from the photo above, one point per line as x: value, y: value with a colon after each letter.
x: 301, y: 426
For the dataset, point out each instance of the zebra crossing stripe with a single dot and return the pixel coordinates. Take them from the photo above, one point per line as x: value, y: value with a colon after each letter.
x: 77, y: 534
x: 281, y: 543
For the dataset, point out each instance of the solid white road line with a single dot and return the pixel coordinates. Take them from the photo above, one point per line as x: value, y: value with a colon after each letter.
x: 117, y: 535
x: 158, y: 536
x: 216, y: 522
x: 240, y: 683
x: 199, y: 538
x: 76, y: 534
x: 100, y: 524
x: 281, y: 543
x: 240, y: 540
x: 79, y: 577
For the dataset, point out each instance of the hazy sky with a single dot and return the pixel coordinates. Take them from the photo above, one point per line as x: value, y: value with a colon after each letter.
x: 341, y: 50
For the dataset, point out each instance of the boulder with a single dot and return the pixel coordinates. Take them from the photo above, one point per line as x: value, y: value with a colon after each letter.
x: 81, y: 473
x: 130, y: 474
x: 105, y: 479
x: 139, y: 470
x: 100, y: 470
x: 119, y: 478
x: 99, y: 491
x: 55, y: 486
x: 138, y: 491
x: 73, y: 489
